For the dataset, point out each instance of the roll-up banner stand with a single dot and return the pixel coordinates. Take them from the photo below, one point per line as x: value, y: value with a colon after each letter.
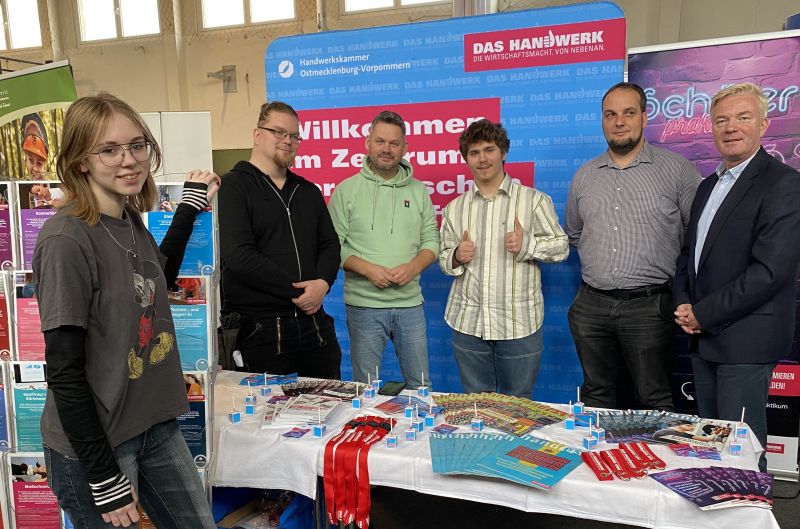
x: 680, y: 80
x: 541, y: 72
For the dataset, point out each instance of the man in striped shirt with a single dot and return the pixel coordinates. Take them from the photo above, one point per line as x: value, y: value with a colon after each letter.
x: 627, y: 211
x: 492, y: 238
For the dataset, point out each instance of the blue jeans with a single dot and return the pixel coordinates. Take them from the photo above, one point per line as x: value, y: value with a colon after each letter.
x: 370, y: 329
x: 509, y: 367
x: 723, y: 389
x: 159, y: 466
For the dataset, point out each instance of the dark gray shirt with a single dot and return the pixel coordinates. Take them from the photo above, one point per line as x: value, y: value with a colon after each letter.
x: 628, y: 224
x: 86, y: 279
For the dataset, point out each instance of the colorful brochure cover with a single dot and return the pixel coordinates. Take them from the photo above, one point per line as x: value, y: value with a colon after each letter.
x: 199, y: 257
x: 29, y: 337
x: 190, y: 315
x: 36, y: 203
x: 526, y: 460
x: 34, y: 505
x: 719, y: 487
x: 192, y: 424
x: 29, y: 394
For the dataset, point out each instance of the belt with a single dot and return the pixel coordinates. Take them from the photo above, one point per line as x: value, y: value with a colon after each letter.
x: 632, y: 293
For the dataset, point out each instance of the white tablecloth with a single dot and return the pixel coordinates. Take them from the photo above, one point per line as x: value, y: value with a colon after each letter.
x: 247, y: 456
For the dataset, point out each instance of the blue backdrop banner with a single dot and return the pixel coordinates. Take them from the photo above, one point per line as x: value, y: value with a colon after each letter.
x: 542, y: 73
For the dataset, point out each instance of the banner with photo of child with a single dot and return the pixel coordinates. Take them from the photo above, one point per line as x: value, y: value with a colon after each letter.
x: 32, y: 106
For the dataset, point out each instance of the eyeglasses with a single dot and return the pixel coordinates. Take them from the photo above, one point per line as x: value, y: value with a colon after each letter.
x: 281, y: 135
x: 113, y: 155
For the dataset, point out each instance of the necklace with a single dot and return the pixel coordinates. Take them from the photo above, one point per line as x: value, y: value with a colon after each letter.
x: 130, y: 252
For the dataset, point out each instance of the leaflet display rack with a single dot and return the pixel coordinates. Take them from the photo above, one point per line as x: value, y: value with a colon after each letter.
x: 185, y: 140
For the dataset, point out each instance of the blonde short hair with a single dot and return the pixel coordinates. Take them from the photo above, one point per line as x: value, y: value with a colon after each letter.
x: 742, y: 89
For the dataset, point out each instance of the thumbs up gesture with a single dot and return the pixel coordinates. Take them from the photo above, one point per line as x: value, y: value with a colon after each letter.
x: 514, y: 238
x: 465, y: 250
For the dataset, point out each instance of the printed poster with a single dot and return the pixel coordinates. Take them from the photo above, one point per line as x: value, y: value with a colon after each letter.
x: 32, y: 106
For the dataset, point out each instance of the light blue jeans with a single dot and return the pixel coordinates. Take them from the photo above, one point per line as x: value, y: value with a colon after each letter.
x: 509, y: 367
x: 160, y: 468
x: 369, y: 331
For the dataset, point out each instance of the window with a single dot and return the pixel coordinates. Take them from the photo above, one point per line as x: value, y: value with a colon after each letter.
x: 226, y: 13
x: 365, y: 5
x: 20, y: 20
x: 111, y: 19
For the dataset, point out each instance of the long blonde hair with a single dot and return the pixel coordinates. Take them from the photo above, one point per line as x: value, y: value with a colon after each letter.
x: 84, y: 123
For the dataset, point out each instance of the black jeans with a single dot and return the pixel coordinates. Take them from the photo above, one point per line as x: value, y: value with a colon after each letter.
x: 641, y: 329
x: 281, y: 345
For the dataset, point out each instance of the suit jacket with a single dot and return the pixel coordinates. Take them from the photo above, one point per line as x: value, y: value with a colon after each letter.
x: 743, y: 291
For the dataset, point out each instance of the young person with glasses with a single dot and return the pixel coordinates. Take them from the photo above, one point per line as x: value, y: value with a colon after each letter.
x: 280, y: 255
x: 115, y: 385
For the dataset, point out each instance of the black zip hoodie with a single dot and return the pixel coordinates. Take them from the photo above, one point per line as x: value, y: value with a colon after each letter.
x: 271, y: 238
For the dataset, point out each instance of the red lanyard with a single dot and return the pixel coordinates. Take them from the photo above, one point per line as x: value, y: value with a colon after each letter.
x: 346, y: 469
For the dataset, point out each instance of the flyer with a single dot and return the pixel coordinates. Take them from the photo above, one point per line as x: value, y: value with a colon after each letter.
x: 199, y: 256
x: 190, y: 315
x: 192, y: 424
x: 34, y: 505
x: 37, y: 202
x: 29, y: 337
x: 29, y: 394
x: 6, y: 237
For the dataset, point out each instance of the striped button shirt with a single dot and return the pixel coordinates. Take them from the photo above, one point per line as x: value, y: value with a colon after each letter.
x: 498, y: 295
x: 628, y: 223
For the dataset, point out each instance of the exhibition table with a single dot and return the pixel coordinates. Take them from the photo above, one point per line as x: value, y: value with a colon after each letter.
x: 248, y: 456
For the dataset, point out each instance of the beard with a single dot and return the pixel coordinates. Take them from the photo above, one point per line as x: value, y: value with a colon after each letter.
x: 623, y: 147
x: 283, y: 160
x: 382, y: 167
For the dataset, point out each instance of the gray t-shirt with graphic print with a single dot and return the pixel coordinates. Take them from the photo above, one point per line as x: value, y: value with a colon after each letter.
x: 108, y: 280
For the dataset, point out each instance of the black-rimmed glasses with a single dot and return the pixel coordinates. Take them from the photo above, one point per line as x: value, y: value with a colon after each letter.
x: 281, y: 135
x: 113, y: 155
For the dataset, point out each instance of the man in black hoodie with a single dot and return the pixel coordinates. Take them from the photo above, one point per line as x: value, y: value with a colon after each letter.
x: 280, y: 255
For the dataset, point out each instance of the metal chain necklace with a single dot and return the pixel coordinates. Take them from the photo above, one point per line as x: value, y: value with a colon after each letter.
x: 131, y: 252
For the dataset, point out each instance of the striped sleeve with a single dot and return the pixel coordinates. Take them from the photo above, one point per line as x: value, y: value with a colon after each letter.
x: 112, y: 493
x: 194, y: 194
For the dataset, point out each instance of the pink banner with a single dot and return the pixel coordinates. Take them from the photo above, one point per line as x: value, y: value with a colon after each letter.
x: 337, y: 137
x: 599, y: 40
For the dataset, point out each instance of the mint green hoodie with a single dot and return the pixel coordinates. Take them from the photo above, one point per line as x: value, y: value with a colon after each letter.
x: 386, y: 222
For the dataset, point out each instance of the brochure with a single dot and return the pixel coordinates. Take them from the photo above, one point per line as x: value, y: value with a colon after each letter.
x: 34, y: 505
x: 192, y: 424
x: 190, y: 315
x: 199, y: 257
x: 37, y: 203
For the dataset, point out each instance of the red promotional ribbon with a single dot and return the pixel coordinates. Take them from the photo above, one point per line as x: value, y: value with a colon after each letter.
x: 634, y: 469
x: 597, y: 465
x: 647, y: 452
x: 612, y: 459
x: 346, y: 469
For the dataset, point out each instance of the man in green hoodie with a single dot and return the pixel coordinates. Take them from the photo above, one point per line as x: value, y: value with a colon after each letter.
x: 387, y: 228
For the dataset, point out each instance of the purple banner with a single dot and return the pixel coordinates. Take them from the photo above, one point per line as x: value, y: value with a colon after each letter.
x: 680, y: 83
